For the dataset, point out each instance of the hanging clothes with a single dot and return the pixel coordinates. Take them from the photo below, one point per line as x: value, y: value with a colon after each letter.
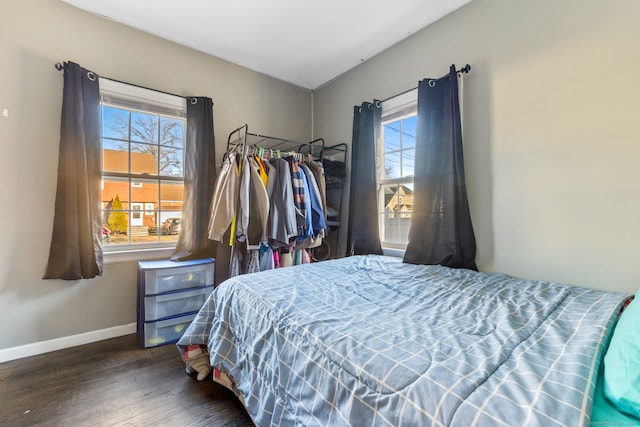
x: 276, y: 259
x: 318, y: 221
x: 282, y: 221
x: 318, y: 173
x: 258, y: 207
x: 225, y: 198
x: 271, y: 209
x: 307, y: 231
x: 251, y: 262
x: 313, y: 209
x: 299, y: 196
x: 286, y: 259
x: 242, y: 215
x: 262, y: 170
x: 267, y: 259
x: 235, y: 261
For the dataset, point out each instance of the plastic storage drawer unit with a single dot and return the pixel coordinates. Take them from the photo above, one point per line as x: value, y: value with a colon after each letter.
x: 174, y: 303
x: 165, y: 331
x: 166, y: 276
x: 170, y: 293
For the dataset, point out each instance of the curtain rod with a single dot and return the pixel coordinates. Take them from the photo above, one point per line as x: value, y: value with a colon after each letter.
x: 60, y: 67
x: 463, y: 70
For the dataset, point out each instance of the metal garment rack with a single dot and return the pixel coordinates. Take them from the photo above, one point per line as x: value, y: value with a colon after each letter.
x: 242, y: 141
x: 336, y: 153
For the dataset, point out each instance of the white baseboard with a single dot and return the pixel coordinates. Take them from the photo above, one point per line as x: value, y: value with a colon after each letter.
x: 41, y: 347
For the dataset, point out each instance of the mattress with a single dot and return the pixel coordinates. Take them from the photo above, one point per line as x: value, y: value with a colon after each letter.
x: 370, y: 340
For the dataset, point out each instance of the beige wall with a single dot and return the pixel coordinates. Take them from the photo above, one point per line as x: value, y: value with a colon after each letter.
x: 551, y: 124
x: 36, y: 34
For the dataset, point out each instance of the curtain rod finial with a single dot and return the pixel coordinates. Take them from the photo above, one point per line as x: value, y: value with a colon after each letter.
x: 465, y: 69
x: 59, y: 66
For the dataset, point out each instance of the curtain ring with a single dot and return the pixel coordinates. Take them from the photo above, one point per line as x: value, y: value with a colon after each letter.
x: 194, y: 101
x: 432, y: 83
x: 91, y: 76
x: 369, y: 106
x: 378, y: 104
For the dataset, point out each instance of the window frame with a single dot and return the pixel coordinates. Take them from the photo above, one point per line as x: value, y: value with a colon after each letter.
x: 394, y: 109
x: 137, y: 99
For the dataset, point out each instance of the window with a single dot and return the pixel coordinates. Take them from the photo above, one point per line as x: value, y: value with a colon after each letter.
x: 395, y: 163
x: 143, y: 141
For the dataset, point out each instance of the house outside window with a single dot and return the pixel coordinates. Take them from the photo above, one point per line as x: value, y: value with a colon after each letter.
x: 143, y: 141
x: 395, y: 154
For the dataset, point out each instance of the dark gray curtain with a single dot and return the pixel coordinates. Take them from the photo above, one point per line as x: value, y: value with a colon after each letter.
x: 441, y: 230
x: 199, y: 181
x: 76, y: 248
x: 363, y: 234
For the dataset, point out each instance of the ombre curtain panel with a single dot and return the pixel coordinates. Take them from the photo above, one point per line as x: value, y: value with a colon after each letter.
x: 441, y: 231
x: 76, y: 249
x: 199, y: 182
x: 363, y: 235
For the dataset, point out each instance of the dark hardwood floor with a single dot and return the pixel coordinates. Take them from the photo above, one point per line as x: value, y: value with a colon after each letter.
x: 112, y: 383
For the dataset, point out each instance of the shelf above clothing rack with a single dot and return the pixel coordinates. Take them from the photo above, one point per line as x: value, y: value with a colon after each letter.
x: 241, y: 139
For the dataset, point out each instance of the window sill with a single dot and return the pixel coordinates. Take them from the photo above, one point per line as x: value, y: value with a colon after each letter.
x: 393, y: 252
x: 134, y: 255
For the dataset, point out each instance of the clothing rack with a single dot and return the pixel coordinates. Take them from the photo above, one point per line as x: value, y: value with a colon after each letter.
x: 335, y: 178
x: 244, y: 141
x: 333, y: 158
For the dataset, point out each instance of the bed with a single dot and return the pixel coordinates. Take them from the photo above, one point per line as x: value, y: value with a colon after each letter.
x: 370, y: 340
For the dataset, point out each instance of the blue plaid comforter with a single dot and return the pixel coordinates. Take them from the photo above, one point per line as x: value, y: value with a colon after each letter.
x: 372, y: 341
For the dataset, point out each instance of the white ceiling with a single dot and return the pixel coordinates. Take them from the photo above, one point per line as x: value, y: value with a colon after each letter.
x: 306, y: 43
